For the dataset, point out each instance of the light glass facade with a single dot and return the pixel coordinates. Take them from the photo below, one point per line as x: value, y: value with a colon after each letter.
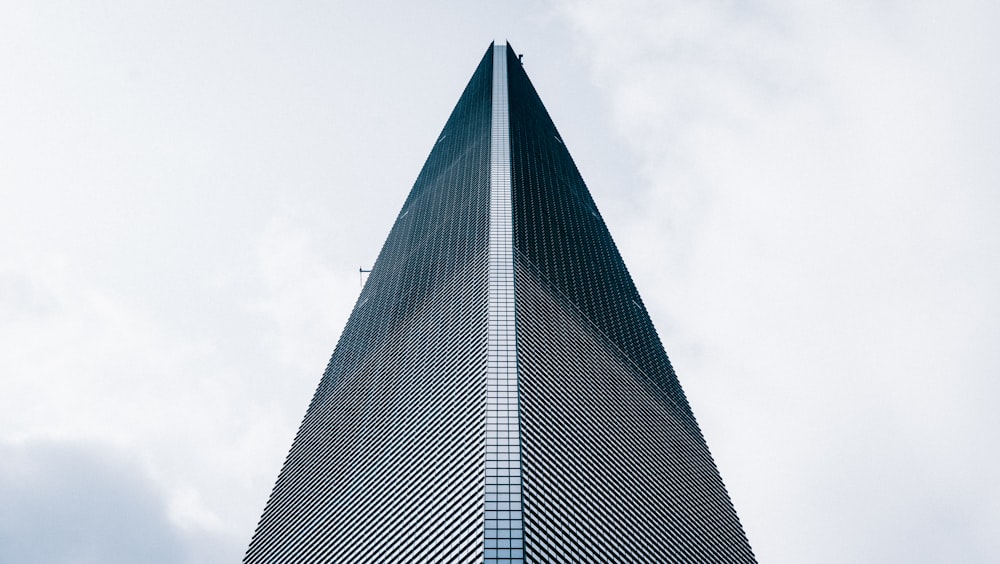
x: 504, y: 537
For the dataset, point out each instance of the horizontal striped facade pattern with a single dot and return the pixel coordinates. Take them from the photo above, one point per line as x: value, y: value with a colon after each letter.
x: 612, y: 472
x: 389, y: 462
x: 499, y: 394
x: 558, y: 228
x: 393, y: 453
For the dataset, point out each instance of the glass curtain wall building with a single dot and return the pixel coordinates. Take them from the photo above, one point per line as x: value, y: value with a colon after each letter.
x: 499, y: 393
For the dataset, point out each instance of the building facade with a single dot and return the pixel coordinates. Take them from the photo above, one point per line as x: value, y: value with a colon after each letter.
x: 499, y: 393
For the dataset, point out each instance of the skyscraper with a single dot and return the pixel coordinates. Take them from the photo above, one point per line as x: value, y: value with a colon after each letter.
x: 499, y: 393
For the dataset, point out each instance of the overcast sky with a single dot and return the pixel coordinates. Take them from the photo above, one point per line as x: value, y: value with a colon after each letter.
x: 807, y: 198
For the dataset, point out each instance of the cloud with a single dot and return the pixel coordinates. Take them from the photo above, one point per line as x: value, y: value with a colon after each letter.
x: 817, y: 217
x: 86, y: 502
x: 302, y: 296
x: 83, y: 363
x: 207, y: 413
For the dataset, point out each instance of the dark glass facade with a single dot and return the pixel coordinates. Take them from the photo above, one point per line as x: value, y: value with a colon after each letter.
x: 499, y: 393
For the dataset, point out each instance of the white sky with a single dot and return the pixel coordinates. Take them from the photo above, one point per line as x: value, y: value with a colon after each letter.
x: 806, y: 197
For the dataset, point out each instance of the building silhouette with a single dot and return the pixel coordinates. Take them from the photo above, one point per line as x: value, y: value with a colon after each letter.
x: 499, y: 393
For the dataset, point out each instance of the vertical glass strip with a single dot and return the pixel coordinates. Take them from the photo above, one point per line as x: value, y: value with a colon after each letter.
x: 504, y: 530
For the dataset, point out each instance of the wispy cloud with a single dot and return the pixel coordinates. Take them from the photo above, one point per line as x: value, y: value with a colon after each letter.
x: 818, y: 224
x: 107, y: 509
